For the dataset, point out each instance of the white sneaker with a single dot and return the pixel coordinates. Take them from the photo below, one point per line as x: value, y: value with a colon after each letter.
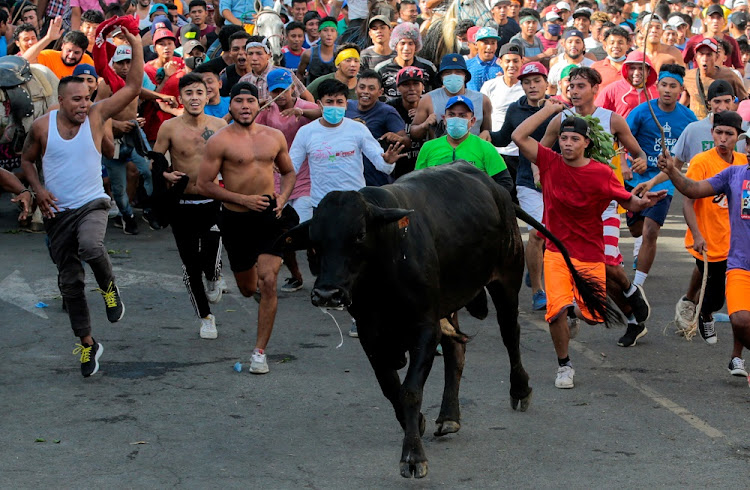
x: 737, y: 367
x: 208, y: 327
x: 213, y: 291
x: 564, y: 377
x: 258, y: 364
x: 684, y: 313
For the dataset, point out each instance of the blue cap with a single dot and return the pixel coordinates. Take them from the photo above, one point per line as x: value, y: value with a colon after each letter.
x: 160, y: 22
x: 157, y: 6
x: 454, y: 61
x: 278, y: 78
x: 459, y: 99
x: 85, y: 69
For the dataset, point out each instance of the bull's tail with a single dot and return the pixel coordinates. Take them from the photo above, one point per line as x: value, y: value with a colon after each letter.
x: 593, y: 295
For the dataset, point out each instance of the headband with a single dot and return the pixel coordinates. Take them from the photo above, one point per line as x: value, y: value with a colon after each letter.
x: 256, y: 44
x: 328, y: 23
x: 665, y: 74
x: 528, y: 17
x: 345, y: 54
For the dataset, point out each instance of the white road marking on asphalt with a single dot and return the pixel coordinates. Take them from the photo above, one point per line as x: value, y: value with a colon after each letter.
x: 15, y: 290
x: 651, y: 393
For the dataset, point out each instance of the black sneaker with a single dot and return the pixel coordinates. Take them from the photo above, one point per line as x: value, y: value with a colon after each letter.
x: 149, y: 218
x: 131, y: 225
x: 118, y: 222
x: 291, y: 285
x: 115, y: 308
x: 707, y: 330
x: 633, y: 333
x: 90, y: 355
x: 639, y: 303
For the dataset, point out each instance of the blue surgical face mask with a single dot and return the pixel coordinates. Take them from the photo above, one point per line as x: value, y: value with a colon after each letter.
x: 554, y: 29
x: 617, y: 60
x: 333, y: 114
x: 453, y: 83
x: 457, y: 127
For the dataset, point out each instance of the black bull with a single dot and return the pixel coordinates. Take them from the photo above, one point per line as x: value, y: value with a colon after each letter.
x: 402, y: 257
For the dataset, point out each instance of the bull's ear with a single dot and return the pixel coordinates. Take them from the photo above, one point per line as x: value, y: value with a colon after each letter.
x: 388, y: 215
x: 298, y: 238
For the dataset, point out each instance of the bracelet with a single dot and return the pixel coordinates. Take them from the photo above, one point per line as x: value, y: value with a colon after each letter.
x: 26, y: 189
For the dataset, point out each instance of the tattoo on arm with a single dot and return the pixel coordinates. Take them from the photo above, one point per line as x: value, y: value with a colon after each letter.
x: 207, y: 133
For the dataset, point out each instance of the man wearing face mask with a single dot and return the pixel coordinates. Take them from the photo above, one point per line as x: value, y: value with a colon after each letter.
x: 573, y: 55
x: 454, y: 75
x: 616, y: 42
x: 459, y: 144
x: 550, y: 34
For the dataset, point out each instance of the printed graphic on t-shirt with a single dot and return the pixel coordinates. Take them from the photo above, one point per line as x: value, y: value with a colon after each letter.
x: 721, y: 201
x: 745, y: 199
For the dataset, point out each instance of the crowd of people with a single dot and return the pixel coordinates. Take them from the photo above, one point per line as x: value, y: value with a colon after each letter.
x: 184, y: 111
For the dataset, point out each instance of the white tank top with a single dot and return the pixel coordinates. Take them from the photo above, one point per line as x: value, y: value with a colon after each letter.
x: 604, y: 116
x: 72, y: 168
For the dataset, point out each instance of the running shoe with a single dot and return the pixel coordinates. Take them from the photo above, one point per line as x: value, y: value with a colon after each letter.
x: 113, y: 209
x: 118, y: 222
x: 258, y: 364
x: 353, y: 330
x: 684, y: 313
x: 737, y: 367
x: 564, y: 379
x: 89, y: 356
x: 707, y: 330
x: 208, y: 327
x: 539, y: 300
x: 113, y: 303
x: 149, y: 218
x: 291, y: 285
x: 214, y: 291
x: 632, y: 334
x: 640, y: 305
x: 131, y: 225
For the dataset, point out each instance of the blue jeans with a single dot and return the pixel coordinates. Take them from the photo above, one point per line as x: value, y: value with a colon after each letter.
x: 118, y: 176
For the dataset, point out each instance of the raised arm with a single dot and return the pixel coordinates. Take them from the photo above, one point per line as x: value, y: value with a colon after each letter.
x: 527, y: 145
x: 53, y: 34
x: 120, y: 99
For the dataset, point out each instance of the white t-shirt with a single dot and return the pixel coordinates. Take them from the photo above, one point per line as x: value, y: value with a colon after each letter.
x: 554, y: 73
x: 502, y: 97
x: 357, y: 9
x: 335, y: 156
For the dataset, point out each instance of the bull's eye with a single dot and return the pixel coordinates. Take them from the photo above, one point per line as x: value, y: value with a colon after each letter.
x: 360, y: 237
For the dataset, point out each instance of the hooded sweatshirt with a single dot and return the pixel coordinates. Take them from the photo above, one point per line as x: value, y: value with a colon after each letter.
x: 620, y: 96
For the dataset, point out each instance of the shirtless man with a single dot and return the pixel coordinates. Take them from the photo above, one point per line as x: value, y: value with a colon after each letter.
x: 249, y: 217
x: 658, y: 52
x: 73, y: 202
x: 194, y: 221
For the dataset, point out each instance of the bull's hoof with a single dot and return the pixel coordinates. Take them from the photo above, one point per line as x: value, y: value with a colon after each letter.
x: 447, y: 427
x: 524, y: 402
x: 418, y: 470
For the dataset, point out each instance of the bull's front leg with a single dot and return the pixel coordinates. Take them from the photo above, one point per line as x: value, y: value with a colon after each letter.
x: 413, y: 458
x: 454, y: 353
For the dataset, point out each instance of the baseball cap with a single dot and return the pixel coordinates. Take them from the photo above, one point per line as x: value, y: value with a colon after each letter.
x: 533, y: 68
x: 382, y: 18
x: 676, y: 21
x: 563, y: 6
x: 739, y: 3
x: 189, y: 32
x: 575, y: 124
x: 454, y: 61
x: 163, y: 34
x: 243, y: 88
x: 157, y: 6
x: 582, y: 12
x: 459, y: 99
x: 511, y: 48
x: 123, y: 52
x: 649, y: 18
x: 673, y: 2
x: 714, y: 9
x: 728, y: 118
x: 739, y: 19
x: 191, y: 45
x: 573, y: 32
x: 471, y: 34
x: 719, y: 88
x: 409, y: 73
x: 565, y: 73
x: 498, y: 2
x: 486, y: 33
x: 743, y: 109
x: 551, y: 16
x: 85, y: 69
x: 706, y: 41
x: 278, y: 78
x: 160, y: 22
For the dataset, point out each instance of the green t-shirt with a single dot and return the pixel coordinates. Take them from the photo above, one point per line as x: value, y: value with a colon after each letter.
x: 313, y: 87
x: 473, y: 149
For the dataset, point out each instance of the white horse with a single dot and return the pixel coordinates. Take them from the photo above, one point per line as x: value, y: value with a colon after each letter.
x: 268, y: 23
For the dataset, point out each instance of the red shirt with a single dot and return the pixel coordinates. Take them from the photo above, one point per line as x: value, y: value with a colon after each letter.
x: 151, y: 112
x: 574, y: 200
x: 608, y: 72
x: 621, y: 97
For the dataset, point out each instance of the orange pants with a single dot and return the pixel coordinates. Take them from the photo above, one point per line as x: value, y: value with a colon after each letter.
x: 738, y: 290
x: 561, y: 291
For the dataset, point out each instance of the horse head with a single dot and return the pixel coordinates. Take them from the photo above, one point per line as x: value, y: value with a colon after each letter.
x: 269, y: 24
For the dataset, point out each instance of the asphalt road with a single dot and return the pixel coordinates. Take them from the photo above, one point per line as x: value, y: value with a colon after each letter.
x: 167, y: 409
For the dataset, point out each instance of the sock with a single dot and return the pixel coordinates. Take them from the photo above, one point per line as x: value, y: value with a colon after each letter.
x: 564, y: 362
x: 640, y: 278
x: 631, y: 319
x: 637, y: 245
x: 258, y: 351
x: 631, y: 291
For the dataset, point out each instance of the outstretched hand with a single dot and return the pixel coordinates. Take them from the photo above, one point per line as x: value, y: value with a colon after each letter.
x: 25, y: 199
x: 393, y: 153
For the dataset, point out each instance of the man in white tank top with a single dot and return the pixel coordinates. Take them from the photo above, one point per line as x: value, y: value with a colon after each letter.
x: 72, y: 199
x: 584, y: 85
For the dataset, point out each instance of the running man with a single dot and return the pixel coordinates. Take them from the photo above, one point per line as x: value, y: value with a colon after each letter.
x: 576, y: 192
x: 194, y: 220
x: 73, y: 201
x: 249, y: 218
x: 734, y: 183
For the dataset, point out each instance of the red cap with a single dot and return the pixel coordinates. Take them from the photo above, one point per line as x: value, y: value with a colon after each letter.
x: 163, y: 34
x: 471, y: 34
x: 533, y: 68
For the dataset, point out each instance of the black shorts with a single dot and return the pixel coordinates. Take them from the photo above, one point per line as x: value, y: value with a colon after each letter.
x: 713, y: 300
x: 247, y: 235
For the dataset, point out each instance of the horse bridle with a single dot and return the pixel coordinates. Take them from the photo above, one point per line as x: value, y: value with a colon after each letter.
x: 280, y: 36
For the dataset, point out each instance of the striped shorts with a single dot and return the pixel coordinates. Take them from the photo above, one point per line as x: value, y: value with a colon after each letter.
x: 611, y: 222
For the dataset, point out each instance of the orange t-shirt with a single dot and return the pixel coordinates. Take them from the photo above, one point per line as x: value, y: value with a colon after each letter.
x: 711, y: 213
x: 52, y: 59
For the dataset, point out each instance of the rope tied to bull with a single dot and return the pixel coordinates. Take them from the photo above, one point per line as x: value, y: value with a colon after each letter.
x: 691, y: 329
x: 341, y: 334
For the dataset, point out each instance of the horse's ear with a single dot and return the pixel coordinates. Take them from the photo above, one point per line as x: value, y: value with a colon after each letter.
x: 277, y: 6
